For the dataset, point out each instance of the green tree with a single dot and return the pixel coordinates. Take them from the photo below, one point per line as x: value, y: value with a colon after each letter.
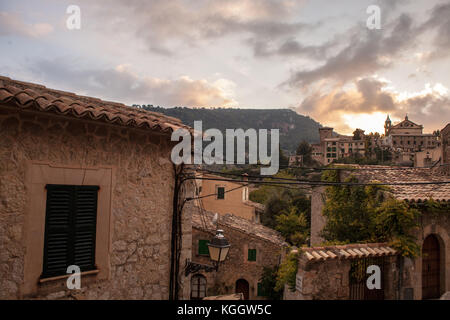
x: 293, y: 226
x: 268, y: 282
x: 368, y: 214
x: 287, y: 272
x: 304, y: 149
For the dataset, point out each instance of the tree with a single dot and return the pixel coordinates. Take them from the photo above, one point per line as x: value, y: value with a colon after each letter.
x: 304, y: 149
x: 268, y: 282
x: 287, y: 272
x: 368, y: 214
x: 293, y: 226
x: 283, y: 160
x: 358, y: 134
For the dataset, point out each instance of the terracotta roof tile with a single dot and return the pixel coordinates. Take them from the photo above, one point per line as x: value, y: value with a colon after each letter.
x: 32, y: 96
x: 350, y: 251
x: 417, y: 193
x: 234, y: 222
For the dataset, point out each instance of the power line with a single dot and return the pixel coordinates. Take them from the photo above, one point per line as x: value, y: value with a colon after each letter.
x: 327, y: 183
x: 303, y: 181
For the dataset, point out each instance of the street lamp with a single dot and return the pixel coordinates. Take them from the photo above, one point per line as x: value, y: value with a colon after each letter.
x: 218, y: 250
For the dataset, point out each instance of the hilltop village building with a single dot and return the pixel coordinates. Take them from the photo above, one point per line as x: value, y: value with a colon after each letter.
x: 253, y: 247
x: 425, y: 277
x: 84, y: 182
x: 405, y: 140
x: 334, y: 146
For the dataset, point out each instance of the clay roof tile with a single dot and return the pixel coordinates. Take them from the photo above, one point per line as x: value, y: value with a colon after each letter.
x: 30, y: 95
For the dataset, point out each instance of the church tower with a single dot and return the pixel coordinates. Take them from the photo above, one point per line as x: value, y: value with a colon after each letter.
x: 387, y: 126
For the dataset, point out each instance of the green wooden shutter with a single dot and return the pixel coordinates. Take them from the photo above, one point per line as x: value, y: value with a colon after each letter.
x: 203, y: 247
x: 71, y: 216
x: 57, y: 230
x: 220, y: 193
x: 85, y: 223
x: 251, y: 255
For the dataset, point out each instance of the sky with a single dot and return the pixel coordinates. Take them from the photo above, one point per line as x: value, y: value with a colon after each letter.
x: 316, y: 57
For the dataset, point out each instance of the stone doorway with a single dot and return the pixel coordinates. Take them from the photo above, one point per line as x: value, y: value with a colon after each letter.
x: 431, y: 268
x: 243, y: 287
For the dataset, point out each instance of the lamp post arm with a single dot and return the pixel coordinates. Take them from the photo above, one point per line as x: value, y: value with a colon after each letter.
x: 193, y: 267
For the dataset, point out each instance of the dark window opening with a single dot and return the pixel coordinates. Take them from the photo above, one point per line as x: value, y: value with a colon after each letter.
x: 251, y: 255
x: 220, y: 193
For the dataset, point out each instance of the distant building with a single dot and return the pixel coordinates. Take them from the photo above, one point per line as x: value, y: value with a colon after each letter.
x: 334, y: 146
x: 408, y: 136
x: 427, y: 157
x: 296, y: 160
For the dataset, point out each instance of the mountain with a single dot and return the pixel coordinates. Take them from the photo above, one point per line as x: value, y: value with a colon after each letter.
x: 293, y: 126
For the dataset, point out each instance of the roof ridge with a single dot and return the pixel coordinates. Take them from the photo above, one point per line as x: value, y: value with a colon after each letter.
x: 31, y: 95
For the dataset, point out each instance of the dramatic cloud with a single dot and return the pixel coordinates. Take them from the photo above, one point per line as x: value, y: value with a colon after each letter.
x: 12, y: 24
x: 366, y: 52
x: 439, y: 21
x: 372, y: 96
x: 164, y: 25
x: 121, y: 84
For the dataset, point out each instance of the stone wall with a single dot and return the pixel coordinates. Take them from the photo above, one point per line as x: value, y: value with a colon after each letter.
x: 236, y: 266
x: 329, y: 280
x: 139, y: 214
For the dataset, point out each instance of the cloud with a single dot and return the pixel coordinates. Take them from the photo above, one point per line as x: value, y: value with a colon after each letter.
x: 430, y: 106
x: 12, y: 24
x: 439, y: 21
x: 123, y: 85
x: 366, y: 52
x: 165, y: 26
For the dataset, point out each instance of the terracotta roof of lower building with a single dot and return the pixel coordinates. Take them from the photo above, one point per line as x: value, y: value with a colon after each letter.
x: 349, y: 251
x: 30, y: 96
x: 204, y: 220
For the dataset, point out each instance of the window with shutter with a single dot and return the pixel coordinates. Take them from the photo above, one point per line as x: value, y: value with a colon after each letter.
x: 203, y: 247
x: 70, y: 228
x: 220, y: 193
x: 251, y: 255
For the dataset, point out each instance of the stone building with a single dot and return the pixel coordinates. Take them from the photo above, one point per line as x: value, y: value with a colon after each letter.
x: 229, y: 197
x: 333, y: 146
x: 253, y: 246
x: 433, y: 237
x: 83, y: 182
x: 408, y: 136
